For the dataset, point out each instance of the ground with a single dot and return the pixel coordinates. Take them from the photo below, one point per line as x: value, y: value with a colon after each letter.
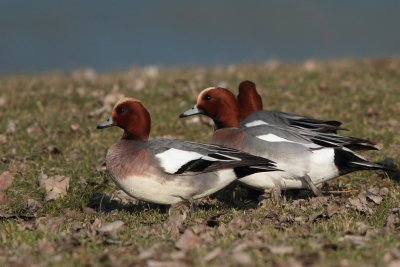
x: 59, y: 208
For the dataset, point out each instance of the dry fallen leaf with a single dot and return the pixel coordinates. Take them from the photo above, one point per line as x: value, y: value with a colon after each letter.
x: 213, y: 254
x: 111, y: 229
x: 6, y: 179
x: 242, y: 258
x: 46, y: 247
x: 55, y: 186
x: 177, y: 216
x: 281, y: 249
x: 333, y: 208
x: 393, y: 220
x: 373, y: 194
x: 316, y: 216
x: 357, y: 241
x: 360, y: 203
x: 49, y: 224
x: 74, y: 127
x: 11, y: 126
x: 123, y: 198
x: 188, y: 241
x: 177, y: 263
x: 3, y: 101
x: 33, y: 205
x: 361, y: 227
x: 317, y: 202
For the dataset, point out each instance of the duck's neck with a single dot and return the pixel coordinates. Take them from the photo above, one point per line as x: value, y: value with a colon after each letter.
x: 141, y: 136
x: 228, y: 119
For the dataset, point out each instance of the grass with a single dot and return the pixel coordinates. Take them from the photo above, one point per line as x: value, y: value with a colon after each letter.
x: 56, y: 110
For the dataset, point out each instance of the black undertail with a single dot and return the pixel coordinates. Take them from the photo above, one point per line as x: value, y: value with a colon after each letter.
x: 347, y: 161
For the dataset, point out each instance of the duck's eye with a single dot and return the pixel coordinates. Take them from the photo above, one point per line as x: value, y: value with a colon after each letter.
x: 120, y: 110
x: 207, y: 97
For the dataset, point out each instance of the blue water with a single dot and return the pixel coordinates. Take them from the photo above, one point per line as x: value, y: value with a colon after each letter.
x: 106, y: 35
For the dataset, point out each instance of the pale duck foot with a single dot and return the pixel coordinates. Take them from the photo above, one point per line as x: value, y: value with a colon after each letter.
x: 177, y: 215
x: 317, y: 192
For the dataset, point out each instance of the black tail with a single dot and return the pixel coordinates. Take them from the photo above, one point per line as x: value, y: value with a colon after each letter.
x: 347, y: 161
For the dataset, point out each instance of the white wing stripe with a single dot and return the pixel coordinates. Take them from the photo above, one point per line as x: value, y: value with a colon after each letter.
x: 256, y: 123
x: 273, y: 138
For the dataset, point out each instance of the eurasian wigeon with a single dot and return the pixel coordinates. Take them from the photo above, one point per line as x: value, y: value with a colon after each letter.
x: 252, y: 113
x: 167, y: 171
x: 305, y: 164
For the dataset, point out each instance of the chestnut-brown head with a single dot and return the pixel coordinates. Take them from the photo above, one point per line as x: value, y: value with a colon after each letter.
x: 248, y: 98
x: 219, y: 104
x: 130, y: 115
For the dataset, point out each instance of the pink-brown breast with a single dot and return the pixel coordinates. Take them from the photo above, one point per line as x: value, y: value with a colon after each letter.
x: 124, y: 160
x: 230, y: 137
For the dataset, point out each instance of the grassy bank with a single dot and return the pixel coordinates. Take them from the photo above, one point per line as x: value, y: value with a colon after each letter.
x: 48, y: 127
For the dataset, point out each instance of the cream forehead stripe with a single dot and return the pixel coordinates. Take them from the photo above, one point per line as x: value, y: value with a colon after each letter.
x: 203, y: 92
x: 126, y: 99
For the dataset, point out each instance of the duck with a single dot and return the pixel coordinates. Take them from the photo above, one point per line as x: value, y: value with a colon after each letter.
x: 252, y: 113
x: 304, y: 164
x: 169, y: 171
x: 321, y: 132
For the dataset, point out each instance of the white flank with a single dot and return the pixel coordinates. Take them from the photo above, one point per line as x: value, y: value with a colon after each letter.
x: 273, y: 138
x: 151, y: 189
x: 256, y: 123
x: 269, y: 180
x: 224, y: 178
x: 322, y: 164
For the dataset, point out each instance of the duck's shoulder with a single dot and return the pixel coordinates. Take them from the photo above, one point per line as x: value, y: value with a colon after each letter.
x: 232, y: 137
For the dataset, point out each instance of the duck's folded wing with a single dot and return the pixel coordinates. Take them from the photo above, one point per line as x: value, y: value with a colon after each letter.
x: 272, y: 133
x: 334, y: 140
x: 311, y: 139
x: 183, y: 157
x: 280, y: 118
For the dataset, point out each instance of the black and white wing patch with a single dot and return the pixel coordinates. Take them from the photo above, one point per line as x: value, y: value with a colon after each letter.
x: 178, y: 161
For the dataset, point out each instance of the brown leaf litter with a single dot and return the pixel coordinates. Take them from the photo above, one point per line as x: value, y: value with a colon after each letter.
x: 188, y: 241
x: 111, y: 230
x: 6, y: 180
x: 11, y: 127
x: 393, y: 219
x: 366, y: 201
x: 49, y: 224
x: 56, y: 186
x: 33, y: 205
